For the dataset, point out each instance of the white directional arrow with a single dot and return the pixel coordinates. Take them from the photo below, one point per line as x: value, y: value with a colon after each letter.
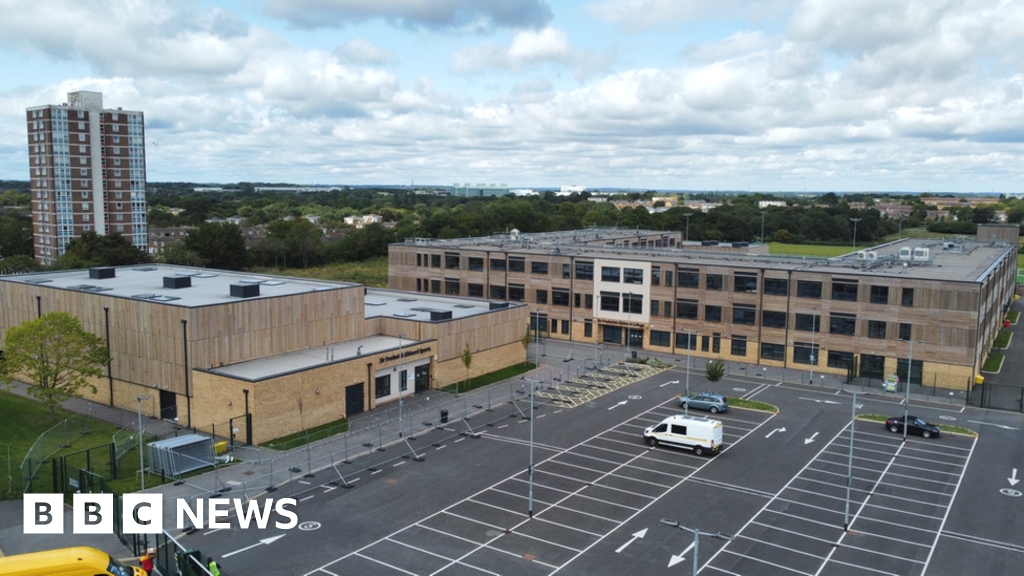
x: 636, y: 535
x: 270, y: 540
x: 1013, y: 478
x: 811, y: 439
x: 619, y: 404
x: 783, y: 429
x: 677, y: 559
x: 1003, y: 426
x: 820, y: 401
x: 669, y: 382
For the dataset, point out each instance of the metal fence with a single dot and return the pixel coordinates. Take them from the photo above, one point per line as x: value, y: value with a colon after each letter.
x: 173, y: 559
x: 59, y: 436
x: 998, y: 396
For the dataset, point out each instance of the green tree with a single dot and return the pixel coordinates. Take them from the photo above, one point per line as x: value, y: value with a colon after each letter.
x: 525, y: 341
x: 467, y: 360
x: 715, y: 370
x: 179, y: 254
x: 19, y: 264
x: 92, y: 249
x: 218, y: 245
x: 56, y: 355
x: 15, y: 235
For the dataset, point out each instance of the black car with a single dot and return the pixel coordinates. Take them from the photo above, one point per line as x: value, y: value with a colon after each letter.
x: 917, y: 426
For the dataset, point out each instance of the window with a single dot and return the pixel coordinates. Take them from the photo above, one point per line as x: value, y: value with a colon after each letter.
x: 872, y: 366
x: 716, y: 345
x: 516, y: 293
x: 808, y: 289
x: 712, y: 313
x: 905, y: 331
x: 633, y: 276
x: 908, y: 297
x: 612, y: 335
x: 451, y: 287
x: 565, y: 327
x: 610, y: 301
x: 516, y: 264
x: 915, y: 373
x: 498, y: 264
x: 689, y: 278
x: 776, y: 286
x: 588, y: 330
x: 633, y: 303
x: 538, y: 267
x: 807, y: 323
x: 542, y: 296
x: 879, y: 294
x: 588, y: 302
x: 403, y: 380
x: 655, y: 307
x: 739, y: 346
x: 745, y: 282
x: 681, y: 341
x: 382, y: 389
x: 667, y: 309
x: 435, y: 260
x: 705, y: 342
x: 846, y: 291
x: 559, y: 297
x: 876, y: 329
x: 744, y: 314
x: 476, y: 264
x: 497, y: 292
x: 566, y: 270
x: 773, y: 351
x: 609, y: 274
x: 475, y: 290
x: 715, y: 282
x: 419, y: 260
x: 842, y: 324
x: 538, y: 323
x: 668, y: 278
x: 435, y: 286
x: 773, y: 319
x: 804, y: 353
x: 584, y: 270
x: 655, y: 276
x: 838, y: 359
x: 686, y: 309
x: 659, y: 338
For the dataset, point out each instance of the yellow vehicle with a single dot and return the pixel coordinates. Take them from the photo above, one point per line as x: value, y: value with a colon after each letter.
x: 80, y: 561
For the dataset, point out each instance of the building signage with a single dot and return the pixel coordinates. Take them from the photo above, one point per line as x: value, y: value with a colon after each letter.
x: 405, y: 354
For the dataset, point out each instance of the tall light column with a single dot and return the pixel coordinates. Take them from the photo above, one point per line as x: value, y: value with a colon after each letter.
x: 401, y: 382
x: 855, y: 220
x: 906, y: 398
x: 689, y: 344
x: 687, y: 216
x: 763, y: 212
x: 142, y: 467
x: 814, y: 329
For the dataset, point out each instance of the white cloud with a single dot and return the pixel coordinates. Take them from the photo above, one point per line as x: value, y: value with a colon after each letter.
x: 361, y: 51
x: 474, y: 14
x: 528, y: 50
x: 637, y: 16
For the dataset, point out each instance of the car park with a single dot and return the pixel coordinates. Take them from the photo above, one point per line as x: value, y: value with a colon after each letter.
x: 709, y: 401
x: 917, y: 426
x: 702, y: 435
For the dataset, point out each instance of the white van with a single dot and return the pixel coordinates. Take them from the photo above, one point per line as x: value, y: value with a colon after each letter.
x: 703, y: 435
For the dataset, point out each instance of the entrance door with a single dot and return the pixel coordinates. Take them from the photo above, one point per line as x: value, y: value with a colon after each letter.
x: 636, y: 337
x: 353, y: 399
x: 422, y: 377
x: 168, y: 405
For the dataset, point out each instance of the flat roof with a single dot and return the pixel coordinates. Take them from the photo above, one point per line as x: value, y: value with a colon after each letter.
x: 146, y: 282
x: 956, y: 258
x: 421, y: 307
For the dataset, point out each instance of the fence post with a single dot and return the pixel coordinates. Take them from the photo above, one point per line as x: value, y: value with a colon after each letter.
x: 113, y: 461
x: 346, y: 460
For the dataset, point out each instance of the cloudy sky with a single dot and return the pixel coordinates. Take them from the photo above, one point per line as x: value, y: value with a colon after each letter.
x: 772, y: 95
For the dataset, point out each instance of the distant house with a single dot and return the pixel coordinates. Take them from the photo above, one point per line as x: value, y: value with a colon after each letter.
x: 313, y: 219
x: 160, y: 238
x: 702, y: 205
x: 762, y: 204
x: 360, y: 221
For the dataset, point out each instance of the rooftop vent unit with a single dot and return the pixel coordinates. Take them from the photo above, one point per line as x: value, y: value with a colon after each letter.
x: 101, y: 273
x: 867, y: 255
x: 245, y: 290
x: 498, y: 305
x: 906, y: 253
x: 440, y: 315
x: 922, y: 253
x: 709, y: 243
x: 740, y: 244
x: 175, y: 282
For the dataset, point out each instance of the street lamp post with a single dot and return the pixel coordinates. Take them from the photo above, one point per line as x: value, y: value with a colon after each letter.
x: 906, y: 398
x: 696, y: 540
x: 814, y: 329
x: 763, y: 212
x: 142, y: 466
x: 689, y: 344
x: 900, y: 218
x: 855, y: 220
x: 687, y: 216
x: 629, y: 323
x: 849, y: 469
x: 401, y: 382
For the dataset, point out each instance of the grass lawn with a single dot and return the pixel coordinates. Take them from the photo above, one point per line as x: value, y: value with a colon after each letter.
x: 372, y: 272
x: 1013, y: 316
x: 22, y: 420
x: 487, y: 379
x: 808, y: 249
x: 751, y: 405
x: 1003, y: 339
x: 306, y: 436
x: 993, y: 363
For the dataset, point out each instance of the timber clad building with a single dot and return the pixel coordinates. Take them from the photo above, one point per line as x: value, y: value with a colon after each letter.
x: 210, y: 346
x: 856, y: 314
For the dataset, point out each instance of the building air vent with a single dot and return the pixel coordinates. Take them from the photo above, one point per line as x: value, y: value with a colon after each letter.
x: 245, y: 290
x: 101, y: 273
x: 498, y: 305
x: 175, y: 282
x: 440, y: 315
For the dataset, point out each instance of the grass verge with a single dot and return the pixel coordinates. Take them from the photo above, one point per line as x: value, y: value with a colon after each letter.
x: 1013, y: 316
x: 994, y: 363
x: 1003, y: 339
x: 751, y: 405
x: 488, y: 379
x: 304, y: 437
x: 944, y: 427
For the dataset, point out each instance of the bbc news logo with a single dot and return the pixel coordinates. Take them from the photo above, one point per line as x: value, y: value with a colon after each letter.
x: 144, y: 513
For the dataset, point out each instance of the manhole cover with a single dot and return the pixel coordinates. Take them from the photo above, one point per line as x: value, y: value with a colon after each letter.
x: 635, y: 397
x: 308, y: 526
x: 1010, y: 492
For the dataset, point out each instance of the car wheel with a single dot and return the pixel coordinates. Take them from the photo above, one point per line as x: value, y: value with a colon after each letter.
x: 698, y: 450
x: 926, y: 434
x: 894, y: 428
x: 652, y: 441
x: 714, y: 410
